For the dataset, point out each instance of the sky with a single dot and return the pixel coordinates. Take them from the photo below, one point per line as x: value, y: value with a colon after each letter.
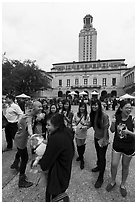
x: 48, y: 31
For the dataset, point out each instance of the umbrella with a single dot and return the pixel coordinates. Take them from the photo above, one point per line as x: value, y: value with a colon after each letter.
x: 73, y: 93
x: 94, y: 93
x: 22, y: 96
x: 83, y: 93
x: 126, y: 96
x: 133, y: 94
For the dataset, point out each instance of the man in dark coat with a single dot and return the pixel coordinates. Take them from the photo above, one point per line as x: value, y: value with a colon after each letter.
x: 57, y: 158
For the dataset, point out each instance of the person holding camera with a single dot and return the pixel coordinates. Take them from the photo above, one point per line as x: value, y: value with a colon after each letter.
x: 123, y: 144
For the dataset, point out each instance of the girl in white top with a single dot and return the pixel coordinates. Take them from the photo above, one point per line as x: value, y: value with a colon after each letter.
x: 80, y: 124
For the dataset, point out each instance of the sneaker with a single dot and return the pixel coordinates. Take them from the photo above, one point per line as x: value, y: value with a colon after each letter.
x: 25, y: 184
x: 123, y: 191
x: 110, y: 187
x: 99, y: 182
x: 96, y: 169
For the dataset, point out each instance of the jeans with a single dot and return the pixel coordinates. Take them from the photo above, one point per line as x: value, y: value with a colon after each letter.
x: 101, y: 156
x: 23, y: 154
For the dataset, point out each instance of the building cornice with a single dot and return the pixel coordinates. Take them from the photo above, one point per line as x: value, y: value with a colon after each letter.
x: 83, y: 71
x: 83, y: 62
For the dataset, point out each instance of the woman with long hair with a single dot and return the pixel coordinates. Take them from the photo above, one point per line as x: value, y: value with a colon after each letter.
x: 52, y: 110
x: 123, y: 126
x: 99, y: 120
x: 60, y: 106
x: 67, y: 113
x: 81, y: 123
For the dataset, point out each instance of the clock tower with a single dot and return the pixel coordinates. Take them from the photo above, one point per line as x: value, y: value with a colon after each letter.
x: 87, y: 40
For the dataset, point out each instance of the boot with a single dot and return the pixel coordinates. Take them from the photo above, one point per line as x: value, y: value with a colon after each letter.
x: 78, y: 150
x: 99, y: 181
x: 23, y: 183
x: 15, y: 164
x: 82, y: 164
x: 82, y: 150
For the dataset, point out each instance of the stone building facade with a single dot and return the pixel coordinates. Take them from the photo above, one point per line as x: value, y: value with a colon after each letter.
x: 106, y: 77
x: 103, y: 76
x: 129, y: 80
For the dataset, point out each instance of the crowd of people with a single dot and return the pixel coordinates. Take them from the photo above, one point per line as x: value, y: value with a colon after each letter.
x: 65, y: 132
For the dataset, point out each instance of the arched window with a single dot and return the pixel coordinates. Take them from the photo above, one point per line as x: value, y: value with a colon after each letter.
x: 60, y: 94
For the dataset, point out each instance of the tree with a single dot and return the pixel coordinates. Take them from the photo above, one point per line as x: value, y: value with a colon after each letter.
x: 22, y: 77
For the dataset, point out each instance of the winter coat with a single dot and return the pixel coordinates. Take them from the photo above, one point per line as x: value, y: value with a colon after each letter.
x: 57, y: 159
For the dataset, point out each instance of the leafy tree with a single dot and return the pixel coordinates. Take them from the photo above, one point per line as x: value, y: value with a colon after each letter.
x: 22, y: 77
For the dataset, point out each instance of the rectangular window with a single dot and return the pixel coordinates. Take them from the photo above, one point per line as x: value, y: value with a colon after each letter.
x: 68, y: 82
x: 60, y: 82
x: 113, y: 81
x: 95, y: 81
x: 94, y: 65
x: 104, y: 80
x: 104, y: 65
x: 85, y: 81
x: 76, y: 82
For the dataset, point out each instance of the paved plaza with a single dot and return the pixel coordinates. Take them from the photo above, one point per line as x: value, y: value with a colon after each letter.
x: 81, y: 188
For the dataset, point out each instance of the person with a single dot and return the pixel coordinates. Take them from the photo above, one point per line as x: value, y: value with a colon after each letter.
x: 114, y: 103
x: 57, y: 159
x: 52, y: 110
x: 39, y: 126
x: 21, y: 103
x: 67, y: 113
x: 123, y: 147
x: 45, y: 106
x: 25, y: 129
x: 45, y: 110
x: 13, y: 114
x: 60, y: 106
x: 81, y: 123
x: 99, y: 120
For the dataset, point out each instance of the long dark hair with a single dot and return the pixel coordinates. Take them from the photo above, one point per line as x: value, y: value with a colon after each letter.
x: 85, y: 111
x: 97, y: 114
x: 69, y: 108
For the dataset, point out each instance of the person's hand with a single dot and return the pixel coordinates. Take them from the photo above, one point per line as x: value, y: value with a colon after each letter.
x: 84, y: 127
x: 103, y: 142
x: 125, y: 132
x: 45, y: 141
